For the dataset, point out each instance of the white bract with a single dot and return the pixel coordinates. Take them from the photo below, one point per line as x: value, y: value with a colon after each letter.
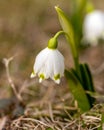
x: 93, y: 27
x: 49, y: 63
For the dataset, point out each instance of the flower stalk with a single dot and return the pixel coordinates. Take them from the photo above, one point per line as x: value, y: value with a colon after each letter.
x: 80, y: 73
x: 49, y: 62
x: 69, y: 33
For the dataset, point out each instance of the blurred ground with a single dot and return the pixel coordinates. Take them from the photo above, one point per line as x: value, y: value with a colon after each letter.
x: 25, y: 28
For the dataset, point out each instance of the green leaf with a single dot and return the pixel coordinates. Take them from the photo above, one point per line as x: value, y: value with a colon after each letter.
x: 67, y: 27
x: 86, y: 76
x: 80, y: 5
x: 87, y: 82
x: 77, y: 18
x: 89, y: 7
x: 80, y: 8
x: 77, y: 91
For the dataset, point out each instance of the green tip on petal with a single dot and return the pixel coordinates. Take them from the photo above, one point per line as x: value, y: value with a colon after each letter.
x: 57, y: 81
x: 57, y: 76
x: 52, y: 43
x: 32, y: 75
x: 41, y: 78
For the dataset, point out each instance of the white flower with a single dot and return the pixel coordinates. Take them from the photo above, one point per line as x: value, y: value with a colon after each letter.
x: 93, y: 27
x: 49, y: 63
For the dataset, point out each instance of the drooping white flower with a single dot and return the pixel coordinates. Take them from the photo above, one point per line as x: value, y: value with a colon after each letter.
x: 93, y: 27
x: 49, y: 63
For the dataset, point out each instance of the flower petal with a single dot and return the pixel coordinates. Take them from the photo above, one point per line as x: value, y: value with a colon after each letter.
x: 57, y: 81
x: 40, y: 60
x: 32, y: 75
x: 48, y: 64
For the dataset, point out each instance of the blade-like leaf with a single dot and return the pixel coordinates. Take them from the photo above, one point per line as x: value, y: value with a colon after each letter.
x: 80, y: 8
x: 67, y: 27
x: 80, y: 5
x: 87, y: 82
x: 77, y: 17
x: 77, y: 91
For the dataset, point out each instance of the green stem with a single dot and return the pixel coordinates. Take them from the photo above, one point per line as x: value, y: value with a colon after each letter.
x: 75, y: 53
x: 68, y: 30
x: 73, y: 49
x: 53, y: 43
x: 59, y: 33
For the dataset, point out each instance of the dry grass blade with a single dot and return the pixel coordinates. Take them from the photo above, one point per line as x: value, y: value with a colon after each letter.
x: 88, y: 121
x: 6, y: 63
x: 3, y: 122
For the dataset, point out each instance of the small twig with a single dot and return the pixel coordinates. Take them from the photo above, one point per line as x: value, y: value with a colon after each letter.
x: 6, y: 63
x: 50, y: 112
x: 36, y: 127
x: 35, y: 120
x: 69, y: 124
x: 95, y: 128
x: 3, y: 122
x: 92, y: 118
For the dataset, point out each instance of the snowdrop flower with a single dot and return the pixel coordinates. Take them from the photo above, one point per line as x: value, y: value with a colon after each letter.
x: 49, y: 63
x: 93, y: 27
